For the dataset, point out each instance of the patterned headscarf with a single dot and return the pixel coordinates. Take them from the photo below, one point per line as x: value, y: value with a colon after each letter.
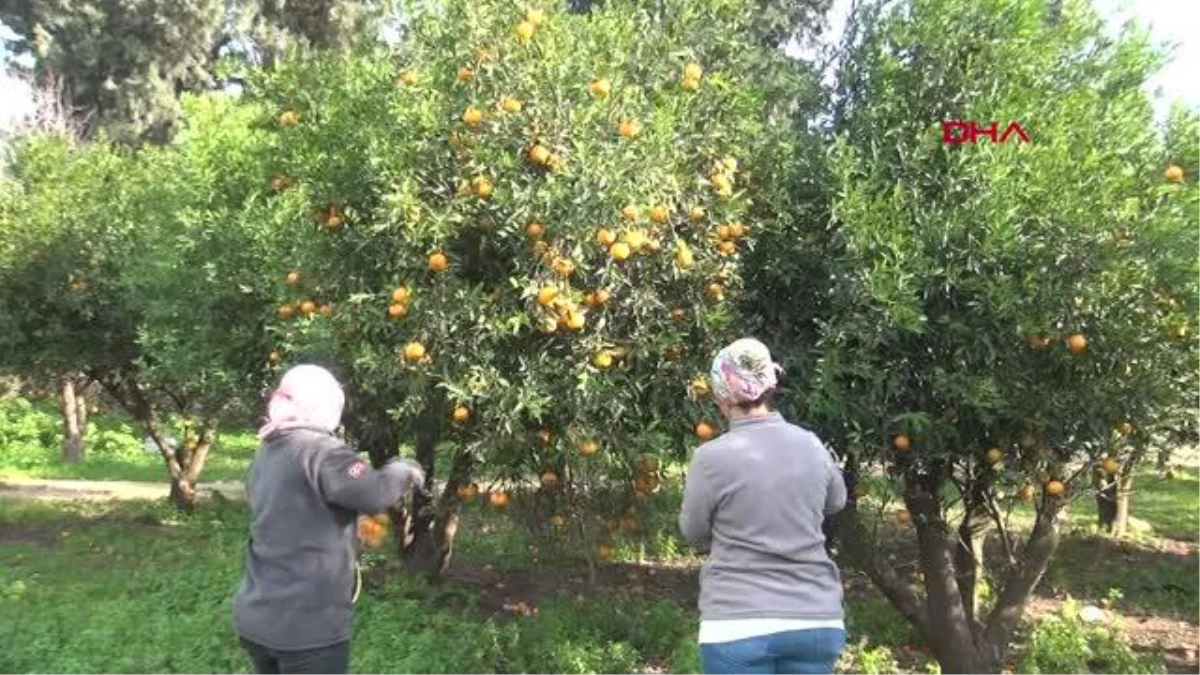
x: 743, y: 372
x: 308, y: 396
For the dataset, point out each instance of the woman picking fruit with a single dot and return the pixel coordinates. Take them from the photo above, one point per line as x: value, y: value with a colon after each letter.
x: 295, y: 608
x: 755, y: 500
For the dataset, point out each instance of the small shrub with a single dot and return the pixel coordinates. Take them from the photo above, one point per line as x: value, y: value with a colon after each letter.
x: 1065, y: 644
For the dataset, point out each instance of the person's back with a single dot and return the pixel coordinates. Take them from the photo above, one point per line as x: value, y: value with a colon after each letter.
x: 755, y: 501
x: 295, y: 607
x: 768, y: 485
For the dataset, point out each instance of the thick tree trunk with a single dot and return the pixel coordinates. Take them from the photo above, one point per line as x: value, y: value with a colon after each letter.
x: 72, y: 437
x: 1021, y: 580
x: 1112, y: 498
x: 951, y: 632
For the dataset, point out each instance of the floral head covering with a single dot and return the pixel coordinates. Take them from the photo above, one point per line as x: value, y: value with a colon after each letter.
x: 308, y: 396
x: 743, y: 372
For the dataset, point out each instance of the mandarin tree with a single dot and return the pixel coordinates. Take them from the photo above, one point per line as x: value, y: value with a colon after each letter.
x: 518, y: 214
x: 989, y: 322
x: 141, y: 270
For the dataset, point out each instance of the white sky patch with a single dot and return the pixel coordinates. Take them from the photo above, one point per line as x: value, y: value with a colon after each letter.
x: 1172, y: 22
x: 1169, y: 21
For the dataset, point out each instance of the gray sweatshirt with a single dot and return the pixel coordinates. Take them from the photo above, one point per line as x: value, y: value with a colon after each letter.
x: 755, y: 500
x: 305, y: 490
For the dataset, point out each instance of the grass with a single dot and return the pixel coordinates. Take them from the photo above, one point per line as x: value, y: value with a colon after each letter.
x: 136, y: 587
x: 116, y: 450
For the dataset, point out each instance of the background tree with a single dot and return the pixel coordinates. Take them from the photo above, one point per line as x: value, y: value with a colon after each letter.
x: 987, y: 318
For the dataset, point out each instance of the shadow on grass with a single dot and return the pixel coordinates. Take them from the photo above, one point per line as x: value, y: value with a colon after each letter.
x: 1158, y: 579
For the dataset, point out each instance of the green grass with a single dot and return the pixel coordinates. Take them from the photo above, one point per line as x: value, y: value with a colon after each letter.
x: 30, y: 438
x: 1170, y: 507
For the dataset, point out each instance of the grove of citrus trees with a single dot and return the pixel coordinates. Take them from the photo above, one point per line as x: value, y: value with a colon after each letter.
x: 519, y: 234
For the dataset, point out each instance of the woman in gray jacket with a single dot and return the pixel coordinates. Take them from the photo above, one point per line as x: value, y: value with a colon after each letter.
x: 755, y: 499
x: 295, y: 609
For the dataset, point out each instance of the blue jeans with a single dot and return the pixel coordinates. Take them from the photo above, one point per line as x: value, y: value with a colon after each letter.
x: 796, y: 651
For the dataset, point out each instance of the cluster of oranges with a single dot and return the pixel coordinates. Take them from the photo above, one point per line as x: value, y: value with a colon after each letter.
x: 306, y: 307
x: 373, y: 530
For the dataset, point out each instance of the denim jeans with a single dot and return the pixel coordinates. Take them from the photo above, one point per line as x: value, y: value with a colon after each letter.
x: 332, y: 659
x: 814, y: 650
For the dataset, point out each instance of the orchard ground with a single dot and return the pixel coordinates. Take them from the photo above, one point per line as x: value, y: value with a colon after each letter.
x: 130, y: 585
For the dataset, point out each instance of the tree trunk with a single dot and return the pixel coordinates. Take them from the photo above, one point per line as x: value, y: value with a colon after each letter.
x: 72, y: 437
x: 1106, y: 503
x: 1124, y: 491
x: 1021, y: 580
x: 968, y: 549
x: 431, y: 525
x: 951, y: 633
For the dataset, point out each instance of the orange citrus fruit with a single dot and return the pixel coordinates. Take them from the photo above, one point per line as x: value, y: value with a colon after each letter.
x: 461, y: 413
x: 1077, y: 343
x: 600, y: 88
x: 901, y: 442
x: 705, y: 431
x: 414, y: 351
x: 619, y: 251
x: 438, y: 262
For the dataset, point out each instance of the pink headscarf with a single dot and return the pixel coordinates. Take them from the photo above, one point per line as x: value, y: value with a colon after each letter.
x: 743, y: 372
x: 308, y: 396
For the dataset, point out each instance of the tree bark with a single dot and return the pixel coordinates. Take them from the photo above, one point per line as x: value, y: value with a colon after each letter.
x: 1106, y: 503
x: 968, y: 549
x: 951, y: 633
x: 72, y: 437
x: 432, y: 523
x: 1021, y: 580
x: 862, y: 553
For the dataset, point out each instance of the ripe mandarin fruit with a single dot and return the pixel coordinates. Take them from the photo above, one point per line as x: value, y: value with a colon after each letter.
x: 289, y: 118
x: 901, y: 442
x: 636, y: 239
x: 1025, y: 493
x: 1077, y: 343
x: 400, y: 294
x: 498, y: 499
x: 600, y: 88
x: 549, y: 480
x: 903, y: 516
x: 325, y: 310
x: 408, y: 78
x: 605, y: 236
x: 547, y: 295
x: 724, y: 232
x: 472, y: 116
x: 539, y: 154
x: 558, y: 521
x: 630, y: 212
x: 308, y: 308
x: 727, y: 248
x: 438, y: 262
x: 1173, y: 174
x: 563, y: 267
x: 576, y: 320
x: 699, y: 385
x: 696, y: 214
x: 683, y: 257
x: 274, y: 356
x: 483, y: 187
x: 292, y: 278
x: 715, y: 291
x: 461, y: 413
x: 693, y: 71
x: 525, y: 31
x: 679, y: 314
x: 705, y: 431
x: 601, y: 296
x: 397, y: 310
x: 1111, y: 466
x: 1125, y: 428
x: 414, y: 351
x: 589, y: 447
x: 545, y: 436
x: 619, y: 251
x: 660, y: 214
x: 603, y: 360
x: 629, y: 128
x: 604, y: 551
x: 510, y: 104
x: 688, y: 84
x: 465, y: 74
x: 286, y: 311
x: 1055, y: 488
x: 995, y: 455
x: 535, y: 229
x: 535, y: 16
